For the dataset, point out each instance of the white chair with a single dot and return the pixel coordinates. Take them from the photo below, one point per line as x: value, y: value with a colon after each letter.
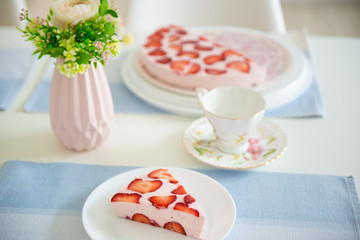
x: 147, y: 15
x: 10, y: 12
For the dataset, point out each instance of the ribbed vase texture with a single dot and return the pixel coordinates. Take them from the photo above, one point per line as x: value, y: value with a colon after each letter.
x: 81, y: 108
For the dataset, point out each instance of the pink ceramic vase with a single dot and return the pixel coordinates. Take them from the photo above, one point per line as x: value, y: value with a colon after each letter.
x: 81, y: 108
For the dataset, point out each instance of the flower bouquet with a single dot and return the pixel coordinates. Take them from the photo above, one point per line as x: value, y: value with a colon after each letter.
x: 79, y: 34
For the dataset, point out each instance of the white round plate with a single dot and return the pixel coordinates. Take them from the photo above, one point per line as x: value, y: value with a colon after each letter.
x: 100, y: 221
x: 280, y: 91
x: 267, y: 139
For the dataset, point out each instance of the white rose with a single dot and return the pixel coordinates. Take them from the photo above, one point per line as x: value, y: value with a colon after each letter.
x: 72, y: 11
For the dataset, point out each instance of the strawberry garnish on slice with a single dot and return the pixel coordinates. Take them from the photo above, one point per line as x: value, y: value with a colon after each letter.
x: 185, y: 208
x: 214, y: 71
x: 153, y: 43
x: 230, y: 52
x: 188, y: 199
x: 181, y: 31
x: 163, y: 173
x: 157, y: 52
x: 144, y: 186
x: 179, y: 190
x: 190, y: 54
x: 162, y: 201
x: 144, y: 219
x: 241, y: 66
x: 164, y: 60
x: 195, y: 68
x: 213, y: 59
x: 175, y: 227
x: 179, y: 65
x: 126, y: 197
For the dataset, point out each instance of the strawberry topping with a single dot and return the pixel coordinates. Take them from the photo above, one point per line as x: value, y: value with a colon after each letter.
x: 179, y: 65
x: 242, y: 66
x: 179, y: 191
x: 126, y: 197
x: 189, y: 54
x: 174, y: 38
x: 229, y: 52
x: 185, y: 208
x: 176, y: 47
x: 188, y: 199
x: 155, y: 36
x: 162, y: 173
x: 203, y: 48
x: 162, y: 201
x: 143, y: 186
x: 164, y: 60
x: 157, y: 52
x: 153, y: 43
x: 213, y: 59
x: 174, y: 226
x: 195, y: 68
x: 214, y: 71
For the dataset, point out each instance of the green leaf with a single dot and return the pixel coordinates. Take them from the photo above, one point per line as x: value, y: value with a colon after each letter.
x: 83, y: 57
x: 109, y: 29
x: 112, y: 13
x: 103, y: 7
x: 56, y: 52
x: 36, y: 51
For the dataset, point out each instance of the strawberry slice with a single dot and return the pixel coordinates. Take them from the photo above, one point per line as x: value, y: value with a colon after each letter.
x: 189, y: 54
x: 241, y: 66
x: 214, y: 71
x: 157, y: 52
x: 162, y: 201
x: 164, y: 60
x: 203, y: 48
x: 144, y: 219
x: 176, y: 47
x: 175, y: 227
x: 163, y: 173
x: 155, y: 36
x: 213, y: 59
x: 181, y: 32
x: 195, y: 68
x: 153, y: 43
x: 203, y: 38
x: 179, y: 65
x: 144, y: 186
x: 188, y: 199
x: 189, y: 42
x: 162, y: 30
x: 126, y: 197
x: 174, y: 38
x: 185, y: 208
x: 230, y: 52
x: 179, y: 190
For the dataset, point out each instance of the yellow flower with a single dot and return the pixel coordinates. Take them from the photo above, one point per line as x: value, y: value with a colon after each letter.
x: 128, y: 39
x: 70, y: 55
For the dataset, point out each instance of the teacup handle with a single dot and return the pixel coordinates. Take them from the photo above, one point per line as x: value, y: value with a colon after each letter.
x: 200, y: 93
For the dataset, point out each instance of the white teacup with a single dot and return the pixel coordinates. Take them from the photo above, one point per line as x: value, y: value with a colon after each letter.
x: 233, y: 112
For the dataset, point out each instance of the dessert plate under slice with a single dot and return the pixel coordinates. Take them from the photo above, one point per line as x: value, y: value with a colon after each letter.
x: 267, y: 143
x: 100, y: 221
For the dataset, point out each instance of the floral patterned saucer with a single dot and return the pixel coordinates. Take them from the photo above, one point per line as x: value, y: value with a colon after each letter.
x: 267, y: 143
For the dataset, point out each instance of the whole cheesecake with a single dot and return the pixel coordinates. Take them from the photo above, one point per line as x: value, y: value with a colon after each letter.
x: 184, y: 60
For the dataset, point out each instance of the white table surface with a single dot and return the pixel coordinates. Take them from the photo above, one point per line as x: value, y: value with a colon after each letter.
x: 327, y: 145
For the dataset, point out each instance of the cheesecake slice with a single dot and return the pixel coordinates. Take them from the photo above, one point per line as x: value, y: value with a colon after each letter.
x: 159, y: 199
